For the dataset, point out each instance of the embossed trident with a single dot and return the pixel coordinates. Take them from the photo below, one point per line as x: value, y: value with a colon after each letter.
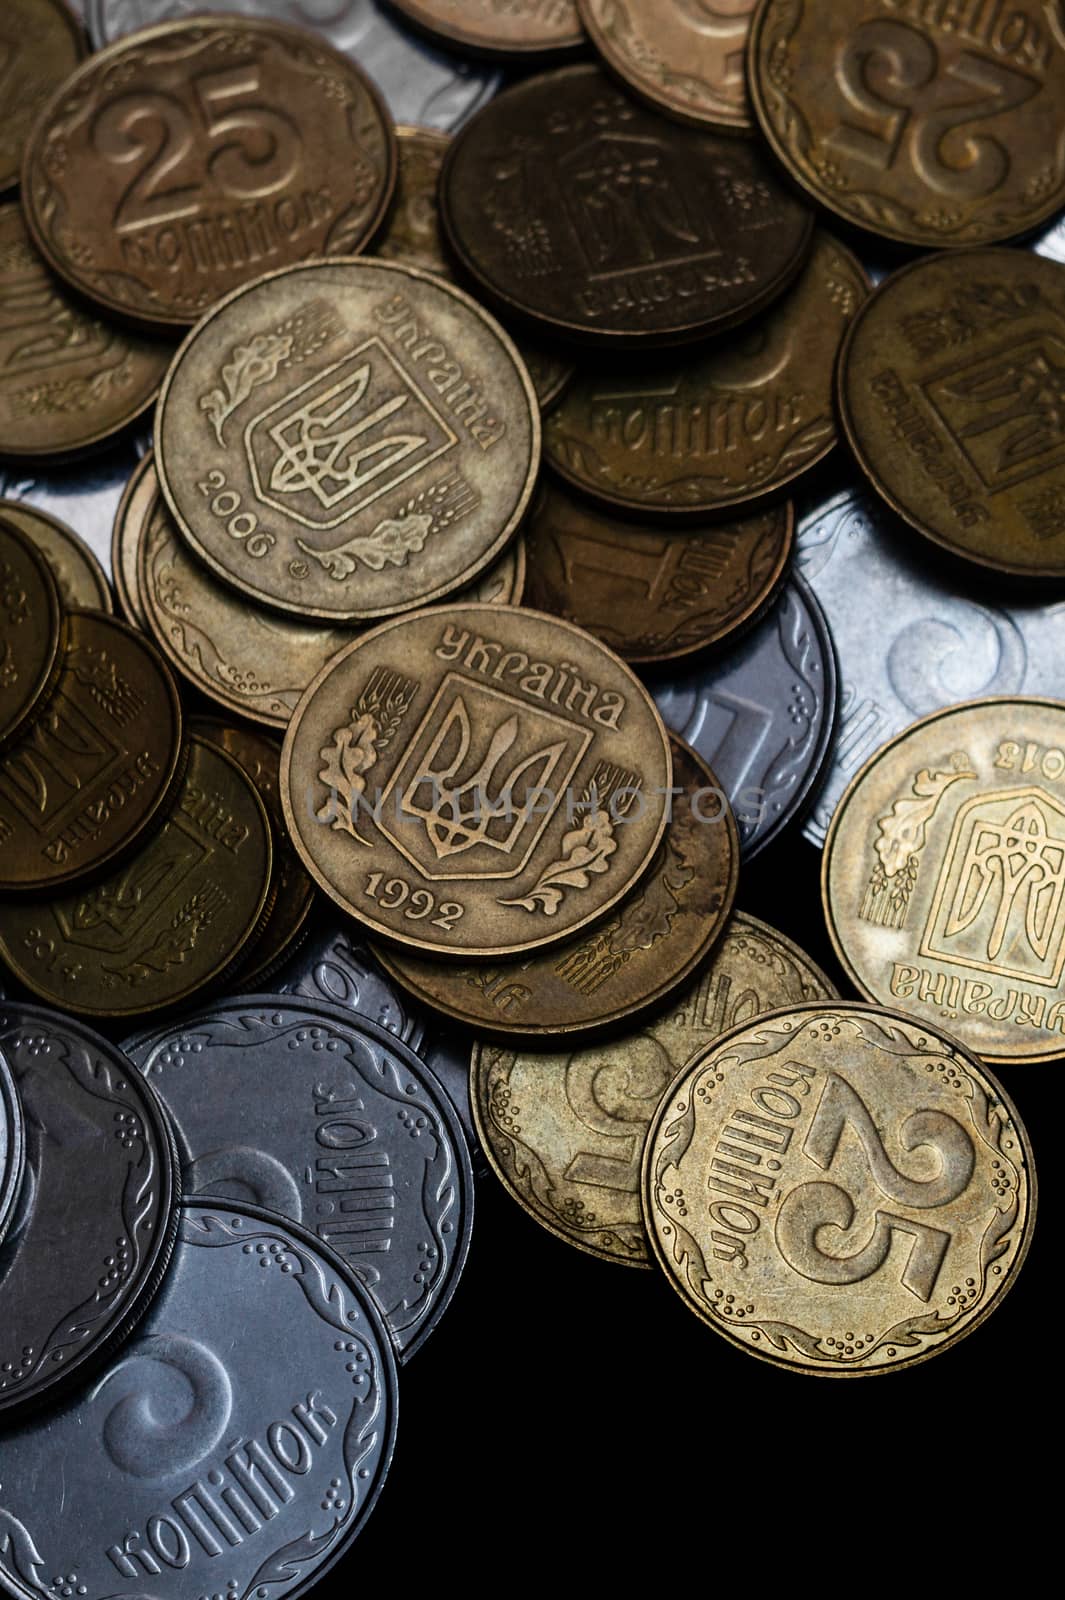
x: 316, y: 454
x: 1016, y: 855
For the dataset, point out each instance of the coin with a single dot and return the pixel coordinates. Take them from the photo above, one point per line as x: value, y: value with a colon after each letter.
x: 253, y: 1418
x: 386, y: 458
x: 140, y: 497
x: 565, y: 1131
x: 685, y: 57
x: 654, y: 594
x: 946, y: 385
x: 763, y: 715
x: 80, y: 578
x: 476, y: 793
x: 331, y: 1121
x: 32, y: 640
x: 503, y: 584
x: 911, y: 124
x: 724, y: 429
x: 94, y: 1223
x: 754, y: 1231
x: 520, y: 28
x: 332, y: 965
x: 12, y: 1144
x: 543, y: 207
x: 170, y: 921
x: 193, y: 156
x: 40, y: 44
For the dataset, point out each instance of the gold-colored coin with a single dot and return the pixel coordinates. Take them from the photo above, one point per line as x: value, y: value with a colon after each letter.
x: 839, y: 1189
x: 168, y: 923
x: 134, y: 509
x: 504, y: 582
x: 565, y: 1131
x: 41, y: 43
x: 347, y: 440
x: 67, y: 379
x: 943, y: 878
x: 81, y: 579
x: 946, y: 392
x: 628, y: 964
x: 32, y: 636
x: 685, y: 56
x: 519, y: 29
x: 476, y: 780
x: 193, y: 156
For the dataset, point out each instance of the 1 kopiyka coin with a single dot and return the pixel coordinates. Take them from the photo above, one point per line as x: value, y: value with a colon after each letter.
x: 40, y: 45
x: 476, y: 780
x: 32, y: 635
x: 347, y: 440
x: 565, y: 1131
x: 518, y: 30
x: 948, y: 385
x: 543, y: 207
x: 942, y: 876
x: 81, y: 580
x: 253, y: 1417
x: 839, y: 1189
x: 933, y: 125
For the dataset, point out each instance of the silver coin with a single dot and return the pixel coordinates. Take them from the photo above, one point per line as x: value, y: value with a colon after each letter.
x: 12, y: 1144
x: 420, y: 83
x: 331, y: 965
x: 332, y: 1121
x: 236, y: 1446
x: 1052, y: 242
x: 85, y: 496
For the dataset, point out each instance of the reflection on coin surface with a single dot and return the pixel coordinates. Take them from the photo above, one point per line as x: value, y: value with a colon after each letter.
x: 32, y: 636
x: 838, y: 1189
x: 565, y: 1132
x: 684, y: 56
x: 80, y: 577
x: 333, y: 1122
x: 332, y: 965
x: 476, y: 780
x: 12, y: 1143
x: 348, y: 440
x: 518, y: 28
x: 252, y: 1418
x: 93, y: 1224
x: 40, y: 45
x: 943, y: 877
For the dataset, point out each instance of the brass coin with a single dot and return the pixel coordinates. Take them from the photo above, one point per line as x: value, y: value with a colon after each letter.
x: 41, y: 43
x: 67, y: 380
x: 838, y: 1189
x: 347, y: 440
x: 476, y: 780
x: 134, y: 509
x: 98, y: 764
x: 32, y: 635
x: 942, y: 876
x: 168, y: 923
x: 518, y: 28
x: 654, y: 595
x: 190, y: 157
x: 948, y: 386
x: 577, y: 208
x: 81, y: 579
x: 504, y: 582
x: 934, y: 124
x: 723, y: 429
x: 565, y: 1131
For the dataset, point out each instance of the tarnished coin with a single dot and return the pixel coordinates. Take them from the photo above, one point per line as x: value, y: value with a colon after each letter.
x: 600, y: 221
x: 193, y: 156
x: 40, y: 45
x: 838, y: 1189
x: 80, y: 578
x: 653, y: 594
x: 12, y: 1144
x: 333, y: 1122
x: 348, y: 440
x: 503, y: 583
x: 723, y: 429
x: 97, y: 766
x: 140, y: 498
x: 949, y: 385
x: 565, y: 1132
x: 516, y: 29
x: 685, y: 56
x: 94, y: 1222
x: 170, y: 921
x: 476, y: 780
x: 252, y: 1419
x: 33, y: 632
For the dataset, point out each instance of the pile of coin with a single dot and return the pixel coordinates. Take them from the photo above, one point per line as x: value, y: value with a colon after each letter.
x: 537, y: 523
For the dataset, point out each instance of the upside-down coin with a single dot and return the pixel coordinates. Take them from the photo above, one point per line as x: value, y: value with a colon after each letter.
x: 686, y: 57
x: 32, y: 639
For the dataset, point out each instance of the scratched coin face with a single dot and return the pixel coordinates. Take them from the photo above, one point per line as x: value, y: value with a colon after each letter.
x: 80, y: 578
x: 838, y: 1189
x: 33, y: 633
x: 476, y: 780
x: 519, y: 29
x: 934, y: 125
x: 251, y: 1421
x: 40, y: 45
x: 263, y: 147
x: 12, y: 1144
x: 348, y: 440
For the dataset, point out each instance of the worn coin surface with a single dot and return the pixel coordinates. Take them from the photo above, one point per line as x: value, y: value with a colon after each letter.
x: 685, y: 56
x: 12, y: 1143
x: 193, y: 156
x: 518, y: 29
x: 252, y: 1418
x: 40, y: 45
x: 932, y: 124
x: 78, y: 573
x: 839, y: 1189
x: 94, y: 1222
x: 476, y: 780
x: 577, y: 208
x: 32, y: 635
x: 565, y: 1131
x: 348, y: 440
x: 330, y: 1120
x: 942, y: 877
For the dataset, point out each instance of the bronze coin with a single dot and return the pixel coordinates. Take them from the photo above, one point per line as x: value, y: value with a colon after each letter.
x: 81, y: 579
x: 98, y: 764
x: 41, y: 42
x: 517, y: 29
x: 190, y: 157
x: 138, y: 498
x: 949, y: 386
x: 931, y: 123
x: 654, y: 594
x: 504, y: 582
x: 168, y: 923
x: 573, y: 206
x: 724, y: 429
x: 32, y: 636
x: 67, y: 379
